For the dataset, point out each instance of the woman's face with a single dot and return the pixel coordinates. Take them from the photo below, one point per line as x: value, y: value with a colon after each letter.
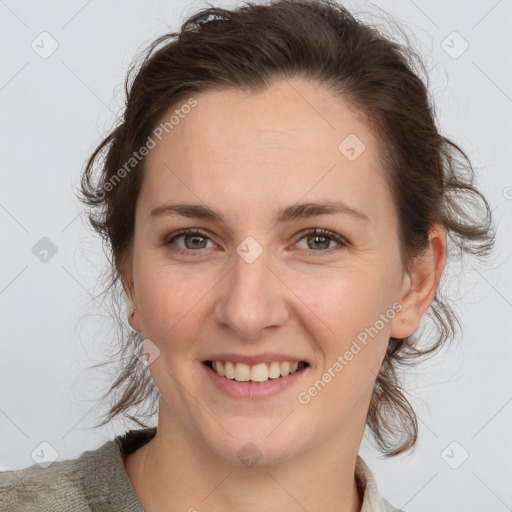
x: 257, y: 287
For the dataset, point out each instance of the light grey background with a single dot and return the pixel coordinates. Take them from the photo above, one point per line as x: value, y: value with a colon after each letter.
x: 54, y: 112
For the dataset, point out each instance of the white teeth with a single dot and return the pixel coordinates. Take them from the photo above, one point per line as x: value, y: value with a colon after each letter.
x: 242, y: 372
x: 229, y: 370
x: 260, y: 372
x: 274, y: 370
x: 219, y: 368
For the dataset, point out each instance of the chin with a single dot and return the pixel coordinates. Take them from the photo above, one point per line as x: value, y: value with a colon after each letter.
x: 254, y: 447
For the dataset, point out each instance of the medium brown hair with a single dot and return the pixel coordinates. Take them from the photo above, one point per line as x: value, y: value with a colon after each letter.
x: 250, y: 48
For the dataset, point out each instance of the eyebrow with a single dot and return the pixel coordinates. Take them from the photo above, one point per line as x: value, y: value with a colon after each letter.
x: 288, y: 214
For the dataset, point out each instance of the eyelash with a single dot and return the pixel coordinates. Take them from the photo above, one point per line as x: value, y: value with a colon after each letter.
x: 310, y: 232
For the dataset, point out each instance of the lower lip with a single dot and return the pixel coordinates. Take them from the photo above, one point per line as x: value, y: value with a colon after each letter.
x: 252, y: 390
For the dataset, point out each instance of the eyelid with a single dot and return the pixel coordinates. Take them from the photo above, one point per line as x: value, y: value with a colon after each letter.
x: 341, y: 241
x: 184, y: 232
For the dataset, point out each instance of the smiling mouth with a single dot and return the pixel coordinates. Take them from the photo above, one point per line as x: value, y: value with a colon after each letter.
x: 257, y: 373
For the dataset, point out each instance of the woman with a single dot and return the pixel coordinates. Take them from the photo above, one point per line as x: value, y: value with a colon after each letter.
x: 278, y: 202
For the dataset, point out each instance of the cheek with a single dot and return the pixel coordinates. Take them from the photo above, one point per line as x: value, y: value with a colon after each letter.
x: 351, y: 338
x: 168, y: 301
x: 345, y: 305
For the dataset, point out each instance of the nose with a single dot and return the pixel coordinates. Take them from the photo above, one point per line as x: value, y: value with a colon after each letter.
x: 253, y: 298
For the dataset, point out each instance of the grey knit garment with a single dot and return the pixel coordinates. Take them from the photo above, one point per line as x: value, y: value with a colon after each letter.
x: 97, y: 482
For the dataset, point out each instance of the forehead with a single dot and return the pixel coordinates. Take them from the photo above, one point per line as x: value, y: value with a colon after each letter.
x: 244, y: 150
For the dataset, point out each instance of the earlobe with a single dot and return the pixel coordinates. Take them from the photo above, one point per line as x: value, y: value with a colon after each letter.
x: 134, y: 320
x: 420, y: 284
x: 131, y: 307
x: 133, y: 315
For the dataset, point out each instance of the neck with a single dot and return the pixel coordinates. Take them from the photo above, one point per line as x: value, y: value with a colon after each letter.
x: 171, y: 472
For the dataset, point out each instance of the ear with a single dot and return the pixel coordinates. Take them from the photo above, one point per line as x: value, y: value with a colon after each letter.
x: 420, y: 284
x: 131, y: 302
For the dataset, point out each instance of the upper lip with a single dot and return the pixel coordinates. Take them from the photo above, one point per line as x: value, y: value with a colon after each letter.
x: 252, y: 359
